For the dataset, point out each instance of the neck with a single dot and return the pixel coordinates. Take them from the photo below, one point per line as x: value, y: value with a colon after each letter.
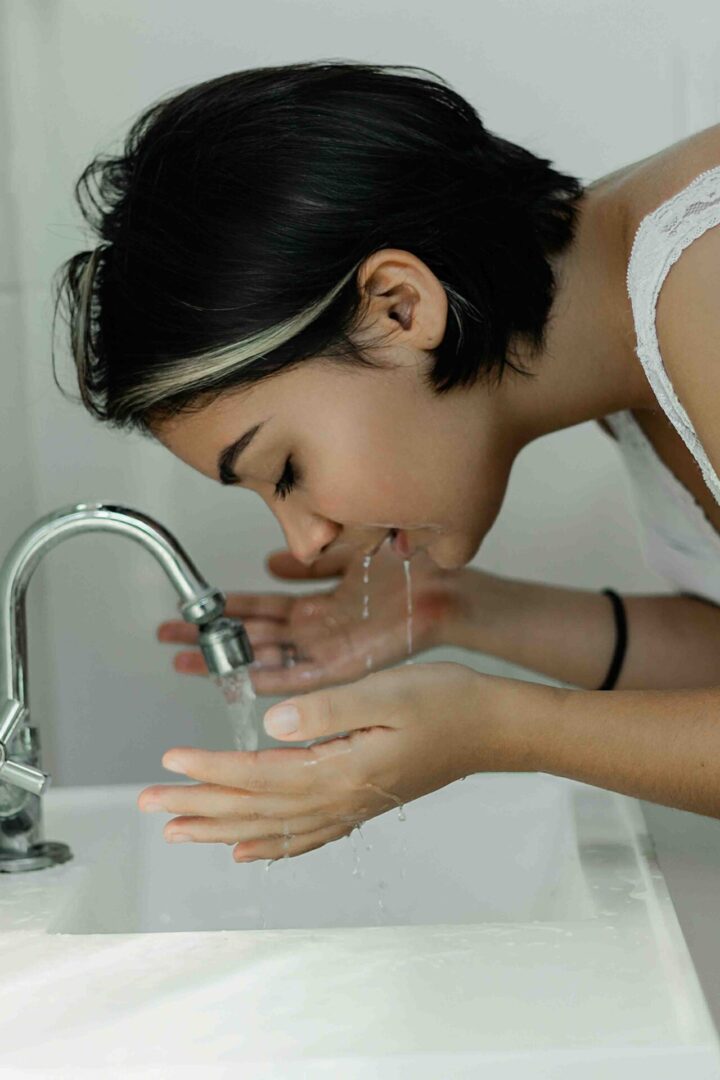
x: 588, y: 368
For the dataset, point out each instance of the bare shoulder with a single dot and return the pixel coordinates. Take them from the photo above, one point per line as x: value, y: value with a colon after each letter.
x: 648, y: 183
x: 688, y: 332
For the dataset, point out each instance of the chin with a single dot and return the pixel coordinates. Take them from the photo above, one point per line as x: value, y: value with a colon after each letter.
x: 451, y: 556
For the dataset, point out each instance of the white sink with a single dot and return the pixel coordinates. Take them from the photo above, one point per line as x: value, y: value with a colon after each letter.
x: 487, y: 849
x: 524, y: 930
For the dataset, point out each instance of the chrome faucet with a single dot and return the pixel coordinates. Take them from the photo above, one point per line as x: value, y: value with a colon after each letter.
x: 224, y: 644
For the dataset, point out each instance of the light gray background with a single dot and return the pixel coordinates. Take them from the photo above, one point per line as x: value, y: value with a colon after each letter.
x: 591, y: 84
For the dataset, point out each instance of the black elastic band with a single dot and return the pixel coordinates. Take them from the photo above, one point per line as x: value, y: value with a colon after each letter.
x: 620, y: 640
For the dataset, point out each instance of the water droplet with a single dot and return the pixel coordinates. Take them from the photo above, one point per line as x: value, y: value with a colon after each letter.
x: 368, y: 847
x: 357, y: 872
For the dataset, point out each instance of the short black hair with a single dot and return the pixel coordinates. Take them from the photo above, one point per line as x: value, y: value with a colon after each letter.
x: 232, y: 226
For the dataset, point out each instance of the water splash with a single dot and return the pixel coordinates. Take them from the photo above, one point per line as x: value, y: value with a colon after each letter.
x: 239, y: 694
x: 408, y: 592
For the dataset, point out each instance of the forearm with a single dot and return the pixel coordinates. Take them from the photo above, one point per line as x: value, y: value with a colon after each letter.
x: 660, y: 745
x: 569, y: 634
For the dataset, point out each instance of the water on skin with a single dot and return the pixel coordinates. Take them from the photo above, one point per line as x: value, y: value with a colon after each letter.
x: 389, y: 795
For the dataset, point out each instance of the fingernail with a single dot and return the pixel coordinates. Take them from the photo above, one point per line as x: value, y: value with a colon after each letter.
x: 178, y: 838
x: 282, y: 720
x: 172, y: 765
x: 151, y: 805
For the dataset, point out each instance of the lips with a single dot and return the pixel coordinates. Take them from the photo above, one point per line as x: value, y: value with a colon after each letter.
x: 401, y: 543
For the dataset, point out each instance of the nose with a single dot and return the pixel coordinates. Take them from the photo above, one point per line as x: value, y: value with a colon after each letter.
x: 308, y: 536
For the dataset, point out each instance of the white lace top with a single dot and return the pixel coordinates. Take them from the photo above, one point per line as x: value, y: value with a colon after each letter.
x: 678, y: 539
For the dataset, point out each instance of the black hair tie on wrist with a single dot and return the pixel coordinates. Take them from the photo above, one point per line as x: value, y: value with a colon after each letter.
x: 620, y: 640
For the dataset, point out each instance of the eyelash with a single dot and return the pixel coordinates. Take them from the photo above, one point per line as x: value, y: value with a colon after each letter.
x: 287, y: 481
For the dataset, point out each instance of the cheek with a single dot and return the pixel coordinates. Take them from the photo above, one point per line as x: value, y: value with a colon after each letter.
x: 352, y: 481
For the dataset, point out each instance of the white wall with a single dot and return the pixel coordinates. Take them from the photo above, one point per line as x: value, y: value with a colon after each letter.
x: 592, y: 84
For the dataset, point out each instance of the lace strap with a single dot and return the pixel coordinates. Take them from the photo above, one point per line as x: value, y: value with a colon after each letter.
x: 659, y: 242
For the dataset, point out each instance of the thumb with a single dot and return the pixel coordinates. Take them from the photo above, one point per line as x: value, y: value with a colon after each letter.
x: 324, y: 712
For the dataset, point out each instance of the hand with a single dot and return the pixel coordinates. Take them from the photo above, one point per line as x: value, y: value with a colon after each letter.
x: 410, y: 730
x: 327, y: 629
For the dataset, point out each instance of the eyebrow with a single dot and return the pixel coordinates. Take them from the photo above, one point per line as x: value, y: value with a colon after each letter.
x: 228, y: 456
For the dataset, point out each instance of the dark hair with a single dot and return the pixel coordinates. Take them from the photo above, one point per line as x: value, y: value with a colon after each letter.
x: 233, y: 225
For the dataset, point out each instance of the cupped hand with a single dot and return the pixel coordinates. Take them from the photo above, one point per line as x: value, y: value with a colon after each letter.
x: 327, y: 631
x: 400, y: 734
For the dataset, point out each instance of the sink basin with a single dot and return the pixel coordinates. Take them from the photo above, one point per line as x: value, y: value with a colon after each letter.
x: 486, y: 849
x: 514, y: 925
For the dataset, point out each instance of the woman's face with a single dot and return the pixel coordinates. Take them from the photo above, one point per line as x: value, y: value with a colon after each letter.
x: 343, y: 454
x: 365, y: 451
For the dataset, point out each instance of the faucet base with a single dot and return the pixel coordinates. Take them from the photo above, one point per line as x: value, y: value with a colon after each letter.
x: 37, y: 857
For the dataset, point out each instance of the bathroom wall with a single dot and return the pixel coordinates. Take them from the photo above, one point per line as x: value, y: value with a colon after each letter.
x: 592, y: 84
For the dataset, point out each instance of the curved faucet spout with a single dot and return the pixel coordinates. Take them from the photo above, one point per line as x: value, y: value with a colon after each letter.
x: 199, y: 603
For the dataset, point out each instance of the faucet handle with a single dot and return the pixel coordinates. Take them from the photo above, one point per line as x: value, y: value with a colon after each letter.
x: 23, y: 776
x: 15, y: 772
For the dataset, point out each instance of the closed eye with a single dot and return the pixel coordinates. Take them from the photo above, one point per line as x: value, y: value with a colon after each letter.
x: 287, y: 480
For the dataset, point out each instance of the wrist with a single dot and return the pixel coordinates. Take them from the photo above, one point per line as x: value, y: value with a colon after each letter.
x: 520, y: 719
x: 477, y: 606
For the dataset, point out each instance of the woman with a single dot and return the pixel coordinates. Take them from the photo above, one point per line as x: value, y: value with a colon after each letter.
x: 330, y: 284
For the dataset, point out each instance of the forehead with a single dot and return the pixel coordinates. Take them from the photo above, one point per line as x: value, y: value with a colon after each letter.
x: 199, y: 434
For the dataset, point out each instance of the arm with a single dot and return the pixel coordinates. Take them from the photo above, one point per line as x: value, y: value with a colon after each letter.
x: 569, y: 634
x: 660, y: 745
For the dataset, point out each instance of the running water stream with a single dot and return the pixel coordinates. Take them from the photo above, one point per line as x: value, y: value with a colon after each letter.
x: 239, y: 694
x: 368, y: 665
x: 409, y: 609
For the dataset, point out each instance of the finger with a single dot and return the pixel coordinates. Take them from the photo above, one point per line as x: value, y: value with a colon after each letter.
x: 297, y: 844
x: 258, y: 630
x: 258, y: 605
x: 205, y: 801
x: 329, y: 712
x: 277, y: 770
x: 230, y: 830
x: 283, y: 564
x: 271, y: 681
x: 274, y: 655
x: 190, y: 663
x: 179, y: 631
x: 208, y: 800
